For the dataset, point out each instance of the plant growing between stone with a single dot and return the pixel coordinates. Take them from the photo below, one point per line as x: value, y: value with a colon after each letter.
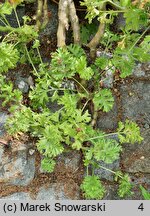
x: 74, y: 84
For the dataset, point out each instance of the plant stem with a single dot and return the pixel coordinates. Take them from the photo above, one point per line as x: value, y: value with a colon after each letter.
x: 17, y: 17
x: 80, y: 85
x: 39, y: 55
x: 3, y: 16
x: 139, y: 38
x: 108, y: 170
x: 87, y: 170
x: 105, y: 135
x: 114, y: 4
x: 85, y: 105
x: 30, y: 60
x: 3, y: 22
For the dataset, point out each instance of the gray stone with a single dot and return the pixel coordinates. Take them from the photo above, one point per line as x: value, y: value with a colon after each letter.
x: 70, y: 161
x: 22, y: 84
x: 108, y: 79
x: 17, y: 196
x: 3, y: 118
x: 108, y: 120
x: 1, y: 153
x: 135, y: 99
x: 57, y: 191
x: 146, y: 126
x: 105, y: 173
x: 142, y: 70
x: 135, y: 158
x: 17, y: 167
x: 51, y: 27
x: 111, y: 192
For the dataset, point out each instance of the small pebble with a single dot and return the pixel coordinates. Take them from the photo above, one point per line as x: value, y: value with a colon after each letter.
x: 31, y: 151
x: 146, y: 126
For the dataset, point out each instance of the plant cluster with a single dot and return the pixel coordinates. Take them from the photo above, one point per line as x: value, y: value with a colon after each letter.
x: 73, y: 83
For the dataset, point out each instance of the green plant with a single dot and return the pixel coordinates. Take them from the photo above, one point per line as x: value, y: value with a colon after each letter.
x: 72, y: 82
x: 145, y: 193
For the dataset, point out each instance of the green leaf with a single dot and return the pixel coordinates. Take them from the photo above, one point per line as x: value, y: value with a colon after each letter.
x: 103, y: 100
x: 36, y: 44
x: 123, y: 60
x: 20, y: 121
x: 48, y: 164
x: 107, y: 150
x: 77, y: 145
x: 9, y: 57
x: 129, y: 132
x: 124, y: 186
x: 5, y: 8
x: 145, y: 193
x: 92, y: 187
x: 76, y: 50
x: 49, y: 147
x: 69, y: 101
x: 82, y: 69
x: 50, y: 143
x: 102, y: 62
x: 79, y: 117
x: 125, y: 3
x: 135, y: 19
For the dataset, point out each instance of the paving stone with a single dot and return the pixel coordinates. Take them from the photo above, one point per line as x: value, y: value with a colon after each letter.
x: 3, y: 118
x: 17, y: 196
x: 142, y: 70
x: 135, y: 99
x: 108, y: 120
x: 106, y: 174
x: 135, y: 158
x: 16, y: 166
x: 111, y: 192
x: 70, y: 160
x: 58, y: 191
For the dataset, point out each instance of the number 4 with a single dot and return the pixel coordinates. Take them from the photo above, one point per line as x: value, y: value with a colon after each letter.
x: 141, y: 207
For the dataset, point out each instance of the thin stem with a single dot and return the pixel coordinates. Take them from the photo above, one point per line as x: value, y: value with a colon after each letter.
x: 3, y: 16
x: 31, y: 62
x: 105, y: 135
x: 17, y: 17
x: 87, y: 170
x: 60, y: 89
x: 3, y: 22
x: 80, y: 85
x: 113, y: 11
x: 139, y: 38
x: 85, y: 104
x: 39, y: 55
x: 114, y: 4
x: 7, y: 36
x: 108, y: 170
